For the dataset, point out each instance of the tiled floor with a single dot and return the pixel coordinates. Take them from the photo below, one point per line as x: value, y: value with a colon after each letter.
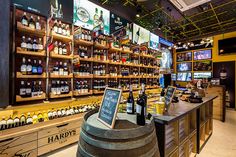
x: 221, y: 144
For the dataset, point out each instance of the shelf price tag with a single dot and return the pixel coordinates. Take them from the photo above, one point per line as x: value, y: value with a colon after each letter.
x: 108, y: 109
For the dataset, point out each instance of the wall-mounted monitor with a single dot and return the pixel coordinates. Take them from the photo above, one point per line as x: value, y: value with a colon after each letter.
x: 202, y: 54
x: 184, y: 77
x: 91, y: 16
x: 140, y: 34
x: 202, y: 66
x: 173, y: 77
x: 154, y: 41
x: 201, y: 75
x: 186, y: 66
x: 184, y: 56
x: 227, y: 46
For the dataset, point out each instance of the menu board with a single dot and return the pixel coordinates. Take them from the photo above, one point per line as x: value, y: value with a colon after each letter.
x: 91, y: 16
x: 169, y: 94
x: 140, y: 34
x: 202, y: 54
x: 109, y: 106
x: 154, y: 41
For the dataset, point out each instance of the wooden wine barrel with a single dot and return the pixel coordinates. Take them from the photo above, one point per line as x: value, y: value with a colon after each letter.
x: 126, y: 140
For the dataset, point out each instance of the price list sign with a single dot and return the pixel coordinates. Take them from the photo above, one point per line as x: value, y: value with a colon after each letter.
x: 109, y: 106
x: 169, y: 94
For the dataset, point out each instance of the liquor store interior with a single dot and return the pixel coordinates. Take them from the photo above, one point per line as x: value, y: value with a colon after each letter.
x: 105, y: 78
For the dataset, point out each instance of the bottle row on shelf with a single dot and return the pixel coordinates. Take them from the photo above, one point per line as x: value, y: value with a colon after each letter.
x: 33, y: 23
x: 37, y: 117
x: 34, y: 45
x: 30, y: 89
x: 61, y: 28
x: 59, y: 87
x: 29, y: 68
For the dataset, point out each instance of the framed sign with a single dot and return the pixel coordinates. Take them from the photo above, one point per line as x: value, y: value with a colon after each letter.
x: 91, y: 16
x: 169, y: 95
x: 140, y: 34
x: 109, y: 106
x: 154, y: 41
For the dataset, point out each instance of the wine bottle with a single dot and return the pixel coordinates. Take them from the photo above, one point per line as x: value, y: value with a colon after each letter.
x: 22, y: 89
x: 10, y: 123
x: 37, y: 24
x: 223, y: 75
x: 140, y: 109
x: 16, y: 121
x: 31, y: 22
x: 3, y: 124
x: 40, y: 117
x: 29, y: 67
x: 23, y: 43
x: 28, y: 90
x: 23, y: 68
x: 40, y: 68
x: 24, y: 20
x: 35, y: 118
x: 22, y: 120
x: 130, y: 102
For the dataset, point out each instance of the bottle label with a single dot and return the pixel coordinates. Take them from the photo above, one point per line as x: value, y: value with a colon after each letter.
x: 58, y: 91
x: 34, y: 94
x: 62, y: 89
x: 29, y: 68
x: 35, y: 46
x: 40, y: 93
x: 29, y: 46
x: 23, y: 68
x: 40, y: 70
x: 223, y: 75
x: 138, y: 108
x: 55, y: 50
x: 59, y: 30
x: 61, y: 72
x: 54, y: 91
x: 34, y: 70
x: 40, y: 46
x: 28, y: 90
x: 29, y: 121
x: 24, y: 22
x: 60, y: 51
x: 129, y: 107
x: 22, y: 91
x: 23, y: 45
x: 67, y: 89
x: 68, y: 32
x: 38, y: 26
x: 55, y: 29
x: 32, y: 26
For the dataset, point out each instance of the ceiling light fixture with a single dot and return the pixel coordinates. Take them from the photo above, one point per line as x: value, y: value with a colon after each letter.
x: 138, y: 10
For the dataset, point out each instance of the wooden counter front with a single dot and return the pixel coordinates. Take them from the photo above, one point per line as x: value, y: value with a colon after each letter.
x: 37, y: 139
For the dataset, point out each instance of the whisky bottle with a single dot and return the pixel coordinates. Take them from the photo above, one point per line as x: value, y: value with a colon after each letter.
x: 22, y: 120
x: 60, y: 50
x: 23, y: 43
x: 35, y: 45
x: 31, y: 22
x: 10, y: 123
x: 56, y: 49
x: 45, y: 116
x: 40, y: 68
x: 16, y: 121
x: 35, y: 118
x: 22, y: 89
x: 34, y: 92
x: 23, y: 68
x: 40, y: 90
x: 34, y: 67
x: 40, y: 117
x: 24, y: 20
x: 3, y: 124
x: 29, y: 45
x: 140, y: 110
x: 40, y: 44
x: 61, y: 69
x: 65, y: 70
x: 28, y: 90
x: 37, y: 23
x: 55, y: 26
x: 56, y: 69
x: 29, y: 67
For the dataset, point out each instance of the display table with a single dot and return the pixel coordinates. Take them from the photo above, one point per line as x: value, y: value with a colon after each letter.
x: 126, y: 139
x: 185, y: 129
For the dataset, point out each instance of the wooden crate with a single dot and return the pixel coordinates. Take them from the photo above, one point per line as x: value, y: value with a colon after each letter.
x: 192, y: 121
x: 171, y: 137
x: 193, y: 145
x: 184, y: 149
x: 202, y: 135
x: 183, y: 128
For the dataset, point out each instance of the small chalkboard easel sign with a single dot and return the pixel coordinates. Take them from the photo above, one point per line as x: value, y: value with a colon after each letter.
x: 169, y: 96
x: 109, y: 106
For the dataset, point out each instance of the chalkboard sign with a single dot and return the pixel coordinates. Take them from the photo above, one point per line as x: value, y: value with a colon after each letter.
x: 169, y: 94
x: 109, y: 106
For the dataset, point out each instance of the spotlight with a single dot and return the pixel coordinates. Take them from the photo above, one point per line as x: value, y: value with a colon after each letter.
x: 137, y: 15
x: 138, y: 11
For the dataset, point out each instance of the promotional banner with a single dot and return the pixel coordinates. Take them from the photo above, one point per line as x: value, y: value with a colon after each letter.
x: 140, y: 34
x: 117, y: 23
x: 91, y: 16
x: 165, y: 42
x: 154, y: 41
x: 60, y: 9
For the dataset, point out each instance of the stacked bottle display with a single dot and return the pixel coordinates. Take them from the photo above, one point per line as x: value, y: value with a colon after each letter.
x: 101, y: 40
x: 31, y: 44
x: 60, y: 48
x: 61, y: 28
x: 99, y: 70
x: 99, y: 85
x: 113, y: 70
x: 83, y: 69
x: 113, y: 83
x: 85, y: 35
x: 100, y: 55
x: 30, y: 89
x: 42, y: 116
x: 59, y: 87
x: 60, y: 69
x: 32, y: 22
x: 31, y: 68
x: 83, y: 52
x: 82, y: 87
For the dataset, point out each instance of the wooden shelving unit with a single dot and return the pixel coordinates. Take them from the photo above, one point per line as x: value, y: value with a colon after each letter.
x: 19, y: 50
x: 53, y: 55
x: 20, y: 75
x: 62, y: 37
x: 83, y: 76
x: 76, y: 93
x: 83, y: 42
x: 61, y: 95
x: 61, y: 76
x: 21, y: 99
x: 29, y: 30
x: 171, y: 138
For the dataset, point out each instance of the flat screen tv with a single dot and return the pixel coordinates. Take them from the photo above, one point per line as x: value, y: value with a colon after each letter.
x: 201, y: 75
x: 227, y: 46
x: 184, y: 77
x: 184, y: 67
x: 202, y: 54
x: 173, y: 77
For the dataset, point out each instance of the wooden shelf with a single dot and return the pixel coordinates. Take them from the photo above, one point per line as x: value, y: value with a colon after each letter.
x: 62, y: 37
x: 76, y: 93
x: 98, y: 92
x: 100, y: 61
x: 20, y: 75
x: 21, y: 99
x: 26, y: 29
x: 53, y: 55
x: 100, y: 46
x: 83, y: 42
x: 147, y: 56
x: 115, y: 63
x: 86, y: 76
x: 61, y: 76
x: 84, y: 59
x: 98, y: 76
x: 114, y: 49
x: 61, y: 95
x: 127, y: 51
x: 19, y: 50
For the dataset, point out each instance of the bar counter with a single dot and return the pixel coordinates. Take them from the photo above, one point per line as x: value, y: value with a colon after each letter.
x: 185, y: 129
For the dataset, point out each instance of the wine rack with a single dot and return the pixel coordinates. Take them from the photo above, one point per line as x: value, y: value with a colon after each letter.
x: 77, y: 51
